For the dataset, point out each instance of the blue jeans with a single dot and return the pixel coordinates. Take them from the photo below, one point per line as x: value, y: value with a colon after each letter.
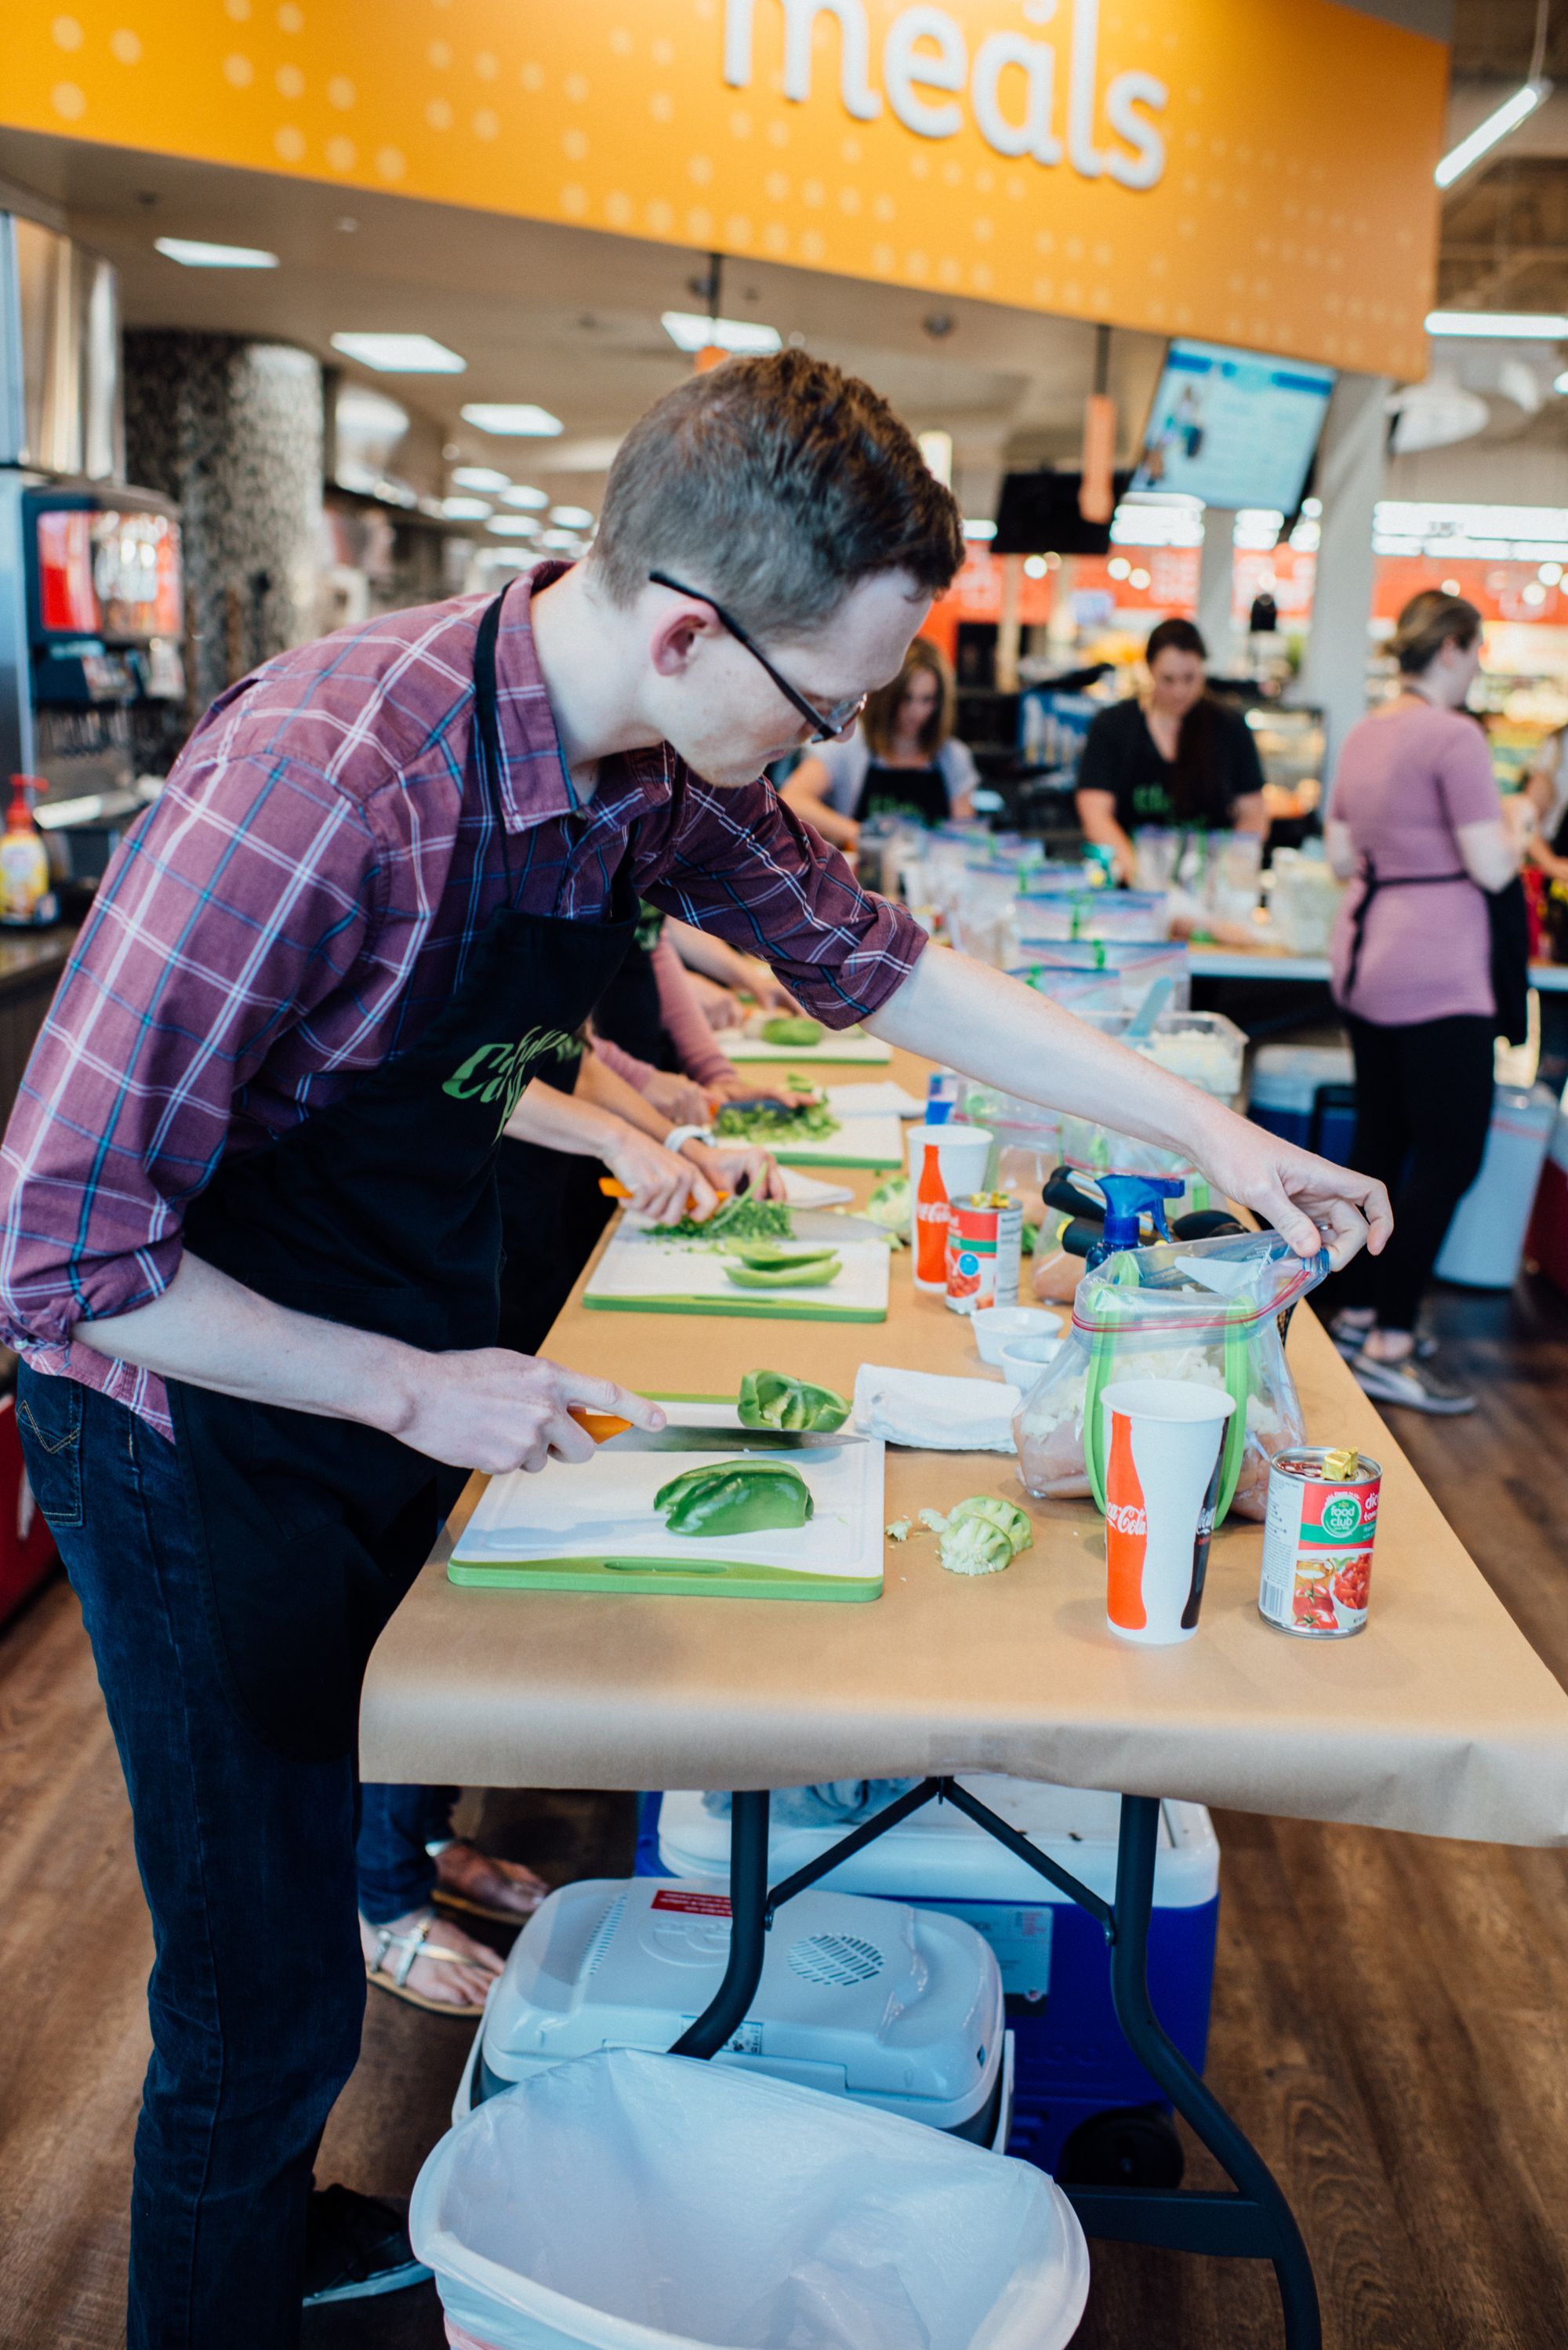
x: 257, y: 1989
x: 396, y: 1873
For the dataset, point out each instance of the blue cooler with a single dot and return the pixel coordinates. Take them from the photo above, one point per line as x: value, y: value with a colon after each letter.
x: 1306, y: 1093
x: 1074, y: 2069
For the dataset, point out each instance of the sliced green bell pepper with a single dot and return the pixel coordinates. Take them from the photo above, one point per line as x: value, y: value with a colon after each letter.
x: 793, y: 1272
x: 774, y: 1399
x: 794, y: 1034
x: 734, y: 1497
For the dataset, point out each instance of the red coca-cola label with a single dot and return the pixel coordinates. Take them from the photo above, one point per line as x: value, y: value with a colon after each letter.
x: 695, y: 1904
x: 1126, y: 1530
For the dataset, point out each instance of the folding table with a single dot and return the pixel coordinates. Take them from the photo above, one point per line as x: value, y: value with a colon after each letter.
x: 1438, y: 1719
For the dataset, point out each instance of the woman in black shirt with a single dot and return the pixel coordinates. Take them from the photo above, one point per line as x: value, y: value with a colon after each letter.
x: 1174, y: 756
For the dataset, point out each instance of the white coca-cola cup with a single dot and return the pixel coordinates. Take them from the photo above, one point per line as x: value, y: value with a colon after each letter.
x: 962, y: 1155
x: 1163, y: 1444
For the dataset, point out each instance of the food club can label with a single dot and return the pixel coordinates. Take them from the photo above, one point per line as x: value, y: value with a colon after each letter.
x: 1318, y: 1534
x: 984, y: 1251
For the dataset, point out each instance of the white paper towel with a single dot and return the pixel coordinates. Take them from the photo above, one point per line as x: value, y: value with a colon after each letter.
x: 943, y: 1415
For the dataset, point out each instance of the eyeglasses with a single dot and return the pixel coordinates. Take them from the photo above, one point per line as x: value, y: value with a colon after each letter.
x: 826, y: 723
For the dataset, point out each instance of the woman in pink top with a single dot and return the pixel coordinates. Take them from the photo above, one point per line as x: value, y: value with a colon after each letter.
x: 1416, y: 829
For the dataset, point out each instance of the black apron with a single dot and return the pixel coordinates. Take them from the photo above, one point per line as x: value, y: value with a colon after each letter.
x: 629, y: 1011
x: 919, y: 791
x: 379, y: 1213
x: 1508, y: 927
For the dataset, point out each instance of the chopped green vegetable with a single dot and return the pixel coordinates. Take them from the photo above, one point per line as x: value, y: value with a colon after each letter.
x: 890, y: 1204
x: 793, y: 1033
x: 767, y: 1122
x: 774, y: 1399
x: 899, y: 1530
x: 806, y: 1272
x: 974, y: 1546
x: 934, y: 1520
x: 742, y: 1218
x: 989, y: 1509
x: 1029, y: 1239
x: 767, y: 1256
x: 734, y: 1497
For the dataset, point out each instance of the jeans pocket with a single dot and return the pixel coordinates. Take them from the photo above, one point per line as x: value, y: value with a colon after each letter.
x: 49, y: 1423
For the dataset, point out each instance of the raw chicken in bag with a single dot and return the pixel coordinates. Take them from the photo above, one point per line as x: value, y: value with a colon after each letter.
x: 1208, y: 1311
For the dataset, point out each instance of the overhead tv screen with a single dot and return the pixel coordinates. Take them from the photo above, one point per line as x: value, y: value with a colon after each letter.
x: 1234, y: 428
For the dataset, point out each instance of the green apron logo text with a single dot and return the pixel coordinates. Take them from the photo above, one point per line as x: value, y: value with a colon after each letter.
x: 500, y: 1073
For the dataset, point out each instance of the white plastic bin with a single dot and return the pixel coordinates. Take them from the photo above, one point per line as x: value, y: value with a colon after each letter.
x: 1486, y: 1238
x: 627, y: 2201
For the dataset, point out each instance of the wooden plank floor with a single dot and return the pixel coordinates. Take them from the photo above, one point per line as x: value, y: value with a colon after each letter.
x: 1390, y: 2017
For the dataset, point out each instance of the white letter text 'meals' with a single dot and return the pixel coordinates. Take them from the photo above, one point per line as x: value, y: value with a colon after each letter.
x: 800, y: 22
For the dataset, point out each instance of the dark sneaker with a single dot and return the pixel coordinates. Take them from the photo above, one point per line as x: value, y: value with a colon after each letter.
x: 355, y: 2246
x: 1413, y: 1383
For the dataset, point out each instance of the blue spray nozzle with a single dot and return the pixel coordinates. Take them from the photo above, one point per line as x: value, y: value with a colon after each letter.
x: 1128, y: 1198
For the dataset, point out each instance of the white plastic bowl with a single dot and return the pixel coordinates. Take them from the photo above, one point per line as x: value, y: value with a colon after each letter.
x: 1023, y: 1359
x: 996, y: 1326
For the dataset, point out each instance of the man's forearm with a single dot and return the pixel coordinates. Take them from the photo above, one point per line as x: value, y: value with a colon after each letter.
x: 216, y: 1332
x: 955, y: 1010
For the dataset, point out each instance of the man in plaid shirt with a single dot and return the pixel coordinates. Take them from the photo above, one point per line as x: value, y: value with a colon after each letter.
x: 249, y: 1245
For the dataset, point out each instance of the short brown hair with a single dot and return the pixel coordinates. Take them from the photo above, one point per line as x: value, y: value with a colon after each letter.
x: 779, y: 484
x: 881, y: 712
x: 1428, y: 622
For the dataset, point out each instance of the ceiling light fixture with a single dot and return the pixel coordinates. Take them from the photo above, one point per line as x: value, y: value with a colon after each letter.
x: 689, y: 331
x: 523, y: 494
x: 191, y: 253
x: 479, y: 477
x: 562, y: 542
x: 512, y: 525
x: 465, y: 509
x: 400, y: 353
x: 1498, y: 124
x: 1502, y: 326
x: 519, y: 417
x: 572, y: 517
x: 980, y: 530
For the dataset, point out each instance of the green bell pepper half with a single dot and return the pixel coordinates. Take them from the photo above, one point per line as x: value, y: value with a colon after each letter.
x: 734, y: 1497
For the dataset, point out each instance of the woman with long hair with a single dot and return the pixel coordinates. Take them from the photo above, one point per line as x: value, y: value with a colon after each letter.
x: 903, y: 758
x: 1416, y: 826
x: 1170, y: 755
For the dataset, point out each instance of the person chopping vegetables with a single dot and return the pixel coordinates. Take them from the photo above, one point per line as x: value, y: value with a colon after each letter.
x: 250, y: 1232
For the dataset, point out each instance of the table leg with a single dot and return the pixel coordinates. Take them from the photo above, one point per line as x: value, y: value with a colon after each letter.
x: 1256, y: 2222
x: 726, y: 2011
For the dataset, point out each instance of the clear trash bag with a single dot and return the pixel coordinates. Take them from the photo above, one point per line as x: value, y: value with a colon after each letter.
x: 1203, y: 1310
x: 631, y: 2201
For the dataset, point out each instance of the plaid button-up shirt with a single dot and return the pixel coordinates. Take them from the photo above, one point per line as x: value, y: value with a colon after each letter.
x: 305, y: 894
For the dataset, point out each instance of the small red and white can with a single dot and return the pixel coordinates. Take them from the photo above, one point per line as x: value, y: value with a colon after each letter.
x: 1318, y: 1534
x: 985, y: 1251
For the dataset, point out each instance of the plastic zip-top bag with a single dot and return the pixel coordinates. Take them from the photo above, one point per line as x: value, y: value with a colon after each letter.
x: 1208, y: 1311
x: 629, y: 2201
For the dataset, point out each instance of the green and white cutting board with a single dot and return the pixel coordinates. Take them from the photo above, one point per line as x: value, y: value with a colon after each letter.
x: 594, y: 1527
x: 638, y: 1273
x: 876, y: 1141
x: 842, y: 1045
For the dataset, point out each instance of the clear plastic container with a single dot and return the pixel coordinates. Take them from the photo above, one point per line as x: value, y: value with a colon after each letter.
x: 1204, y: 1047
x: 1134, y: 965
x: 1074, y: 986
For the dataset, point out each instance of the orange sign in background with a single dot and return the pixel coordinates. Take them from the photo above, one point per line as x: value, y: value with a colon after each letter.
x: 1241, y: 169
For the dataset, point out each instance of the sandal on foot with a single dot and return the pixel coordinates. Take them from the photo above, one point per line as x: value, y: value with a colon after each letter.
x: 410, y: 1949
x: 451, y: 1897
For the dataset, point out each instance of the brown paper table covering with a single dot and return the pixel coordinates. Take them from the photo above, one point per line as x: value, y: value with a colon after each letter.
x: 1438, y: 1719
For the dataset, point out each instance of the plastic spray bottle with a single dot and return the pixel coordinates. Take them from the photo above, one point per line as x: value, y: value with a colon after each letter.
x: 1128, y: 1199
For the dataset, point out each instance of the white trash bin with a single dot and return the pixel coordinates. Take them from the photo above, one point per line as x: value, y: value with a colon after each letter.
x: 628, y: 2201
x: 1485, y: 1236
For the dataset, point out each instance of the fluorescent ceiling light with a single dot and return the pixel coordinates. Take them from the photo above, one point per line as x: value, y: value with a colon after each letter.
x: 465, y: 509
x: 191, y: 253
x: 572, y: 517
x: 522, y: 493
x: 479, y: 477
x: 1504, y: 326
x: 982, y: 530
x: 562, y: 542
x: 1560, y: 382
x: 689, y: 332
x: 400, y: 353
x: 517, y: 416
x: 512, y: 525
x: 1498, y: 124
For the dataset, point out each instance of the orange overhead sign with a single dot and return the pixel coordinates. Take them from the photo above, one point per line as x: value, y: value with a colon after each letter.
x: 1241, y: 169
